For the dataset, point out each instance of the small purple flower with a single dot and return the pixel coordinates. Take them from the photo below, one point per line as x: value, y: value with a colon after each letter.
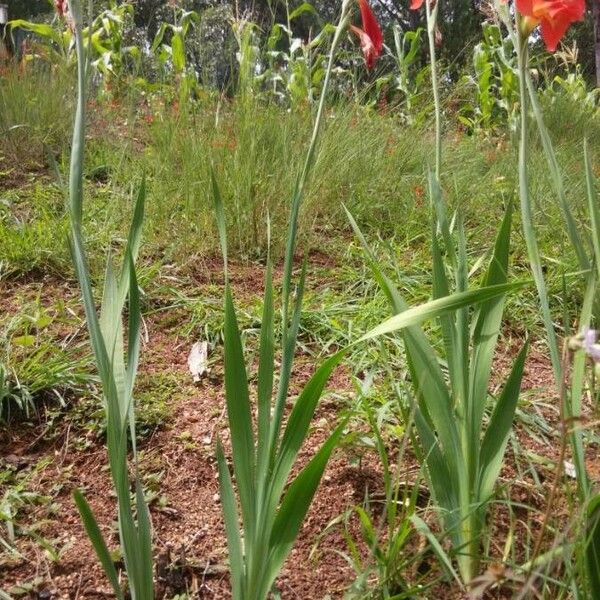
x: 589, y: 343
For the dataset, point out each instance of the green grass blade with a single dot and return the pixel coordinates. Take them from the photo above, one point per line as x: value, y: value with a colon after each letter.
x: 230, y: 515
x: 441, y: 220
x: 423, y: 529
x: 529, y: 233
x: 220, y: 217
x: 134, y: 240
x: 287, y: 360
x: 96, y: 339
x: 448, y: 322
x: 435, y: 402
x: 144, y: 541
x: 298, y: 423
x: 111, y: 326
x: 295, y: 505
x: 594, y: 206
x: 97, y: 539
x: 240, y: 416
x: 266, y: 369
x: 436, y: 308
x: 499, y: 427
x: 485, y: 336
x: 462, y: 319
x: 128, y: 531
x: 443, y: 484
x: 576, y: 391
x: 557, y: 179
x: 489, y: 315
x: 592, y: 548
x: 133, y: 347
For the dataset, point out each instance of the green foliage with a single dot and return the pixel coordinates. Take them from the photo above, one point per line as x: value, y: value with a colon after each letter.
x: 108, y: 51
x: 117, y: 366
x: 495, y: 83
x: 32, y: 130
x: 385, y: 522
x: 169, y: 47
x: 408, y: 48
x: 271, y: 516
x: 462, y: 465
x: 36, y: 368
x: 592, y: 544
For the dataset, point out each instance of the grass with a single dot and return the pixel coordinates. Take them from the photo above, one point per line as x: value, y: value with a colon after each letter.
x: 369, y: 161
x: 38, y: 367
x: 34, y: 131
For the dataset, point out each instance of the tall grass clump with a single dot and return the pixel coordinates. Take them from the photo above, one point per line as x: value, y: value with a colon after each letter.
x: 462, y: 457
x: 461, y: 454
x: 32, y: 130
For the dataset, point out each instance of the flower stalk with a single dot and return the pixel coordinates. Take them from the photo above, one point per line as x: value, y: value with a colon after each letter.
x: 431, y: 10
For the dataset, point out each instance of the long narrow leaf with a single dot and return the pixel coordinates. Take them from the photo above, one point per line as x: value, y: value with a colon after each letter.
x: 436, y: 308
x: 240, y: 416
x: 593, y: 205
x: 221, y: 223
x: 295, y: 506
x: 592, y: 547
x: 265, y: 378
x: 144, y: 542
x: 230, y: 515
x: 298, y: 423
x: 97, y: 539
x: 423, y: 528
x: 557, y: 179
x: 498, y: 430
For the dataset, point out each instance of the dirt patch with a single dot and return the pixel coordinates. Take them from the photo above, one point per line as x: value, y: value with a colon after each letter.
x: 55, y: 559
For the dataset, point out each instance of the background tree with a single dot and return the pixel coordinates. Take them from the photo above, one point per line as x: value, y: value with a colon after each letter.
x: 28, y: 9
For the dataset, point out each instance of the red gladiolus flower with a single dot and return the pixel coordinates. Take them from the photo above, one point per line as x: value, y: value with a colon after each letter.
x: 62, y: 7
x: 370, y: 36
x: 416, y: 4
x: 555, y: 17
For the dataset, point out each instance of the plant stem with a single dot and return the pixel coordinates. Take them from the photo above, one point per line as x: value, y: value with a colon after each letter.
x: 288, y: 335
x: 77, y: 152
x: 431, y: 25
x: 526, y: 213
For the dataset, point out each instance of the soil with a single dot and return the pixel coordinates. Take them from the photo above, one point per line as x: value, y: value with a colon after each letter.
x: 55, y: 559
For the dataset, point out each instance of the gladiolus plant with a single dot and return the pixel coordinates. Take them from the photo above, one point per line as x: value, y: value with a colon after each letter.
x: 117, y: 367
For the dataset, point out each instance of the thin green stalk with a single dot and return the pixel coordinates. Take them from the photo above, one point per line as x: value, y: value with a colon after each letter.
x: 77, y: 151
x: 118, y: 377
x: 288, y: 333
x: 526, y: 214
x: 571, y: 401
x: 431, y: 25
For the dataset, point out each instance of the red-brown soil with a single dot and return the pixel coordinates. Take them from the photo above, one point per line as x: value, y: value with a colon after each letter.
x: 189, y: 541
